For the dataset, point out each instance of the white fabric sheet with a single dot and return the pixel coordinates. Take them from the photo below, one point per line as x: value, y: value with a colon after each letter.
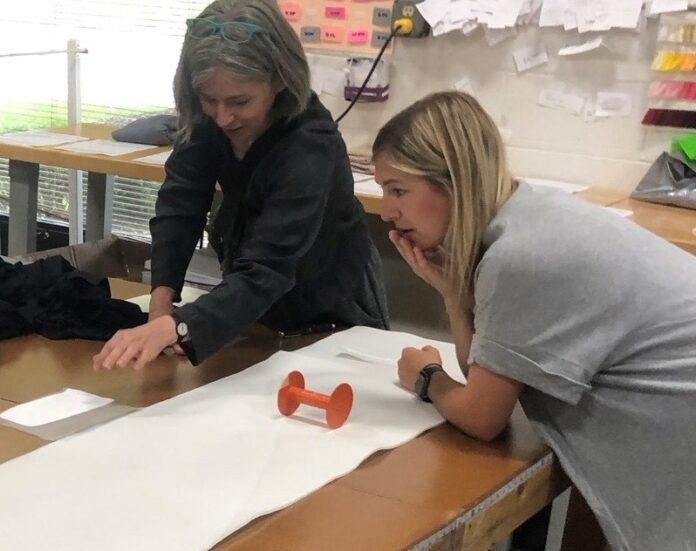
x: 184, y: 473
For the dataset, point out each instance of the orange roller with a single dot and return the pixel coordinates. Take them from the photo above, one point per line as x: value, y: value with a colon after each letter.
x: 337, y: 406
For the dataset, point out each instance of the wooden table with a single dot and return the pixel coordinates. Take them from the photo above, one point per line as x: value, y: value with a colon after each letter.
x: 24, y: 164
x: 676, y: 225
x: 442, y: 490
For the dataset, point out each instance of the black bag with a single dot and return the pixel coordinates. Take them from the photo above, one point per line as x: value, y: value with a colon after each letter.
x: 670, y: 180
x: 152, y: 130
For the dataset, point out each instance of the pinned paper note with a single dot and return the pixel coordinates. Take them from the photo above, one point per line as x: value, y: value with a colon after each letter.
x: 291, y: 11
x: 358, y: 36
x: 665, y: 6
x: 562, y: 101
x: 528, y: 58
x: 310, y: 34
x: 335, y: 12
x: 582, y: 48
x: 332, y: 33
x: 464, y: 85
x: 613, y: 104
x: 54, y: 407
x: 381, y: 17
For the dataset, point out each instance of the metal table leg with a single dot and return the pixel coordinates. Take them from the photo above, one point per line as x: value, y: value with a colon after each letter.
x: 24, y: 185
x: 100, y: 204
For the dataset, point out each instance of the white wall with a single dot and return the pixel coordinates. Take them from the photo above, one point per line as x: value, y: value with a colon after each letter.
x: 542, y: 142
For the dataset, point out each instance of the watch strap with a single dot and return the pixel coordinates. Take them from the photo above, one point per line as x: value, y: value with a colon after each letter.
x: 424, y: 378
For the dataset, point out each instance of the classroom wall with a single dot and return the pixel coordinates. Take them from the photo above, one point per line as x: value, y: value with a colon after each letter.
x: 542, y: 142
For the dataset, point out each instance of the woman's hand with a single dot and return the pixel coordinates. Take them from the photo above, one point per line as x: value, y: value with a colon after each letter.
x: 140, y: 345
x: 412, y: 361
x: 430, y: 266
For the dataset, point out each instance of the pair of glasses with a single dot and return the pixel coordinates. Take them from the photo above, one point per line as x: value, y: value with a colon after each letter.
x: 234, y: 31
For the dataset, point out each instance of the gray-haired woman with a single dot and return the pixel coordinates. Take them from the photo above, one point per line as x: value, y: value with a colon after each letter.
x: 291, y: 237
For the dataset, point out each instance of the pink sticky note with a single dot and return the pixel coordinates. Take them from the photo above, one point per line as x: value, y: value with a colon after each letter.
x: 357, y: 36
x: 332, y: 33
x: 335, y: 12
x: 291, y: 11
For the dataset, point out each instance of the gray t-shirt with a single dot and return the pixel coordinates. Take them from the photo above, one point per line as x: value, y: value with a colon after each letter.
x: 597, y: 317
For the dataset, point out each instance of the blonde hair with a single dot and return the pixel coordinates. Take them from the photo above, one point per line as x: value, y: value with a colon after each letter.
x: 448, y: 139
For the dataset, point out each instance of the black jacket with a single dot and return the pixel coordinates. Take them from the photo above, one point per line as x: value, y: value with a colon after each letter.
x: 291, y: 236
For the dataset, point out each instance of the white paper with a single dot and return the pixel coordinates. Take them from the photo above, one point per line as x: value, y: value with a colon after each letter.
x: 496, y: 36
x: 505, y: 14
x: 182, y: 474
x: 380, y: 347
x: 54, y: 407
x: 562, y: 101
x: 592, y: 44
x: 624, y: 213
x: 333, y: 81
x: 460, y: 11
x: 553, y: 13
x: 665, y: 6
x: 528, y: 58
x: 39, y: 138
x: 156, y: 159
x: 433, y: 11
x: 556, y: 184
x: 625, y: 14
x: 105, y: 147
x: 613, y: 104
x: 464, y: 85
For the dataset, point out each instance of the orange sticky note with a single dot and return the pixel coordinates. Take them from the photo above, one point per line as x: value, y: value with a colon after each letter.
x: 291, y: 11
x: 357, y: 36
x: 332, y: 33
x: 335, y: 12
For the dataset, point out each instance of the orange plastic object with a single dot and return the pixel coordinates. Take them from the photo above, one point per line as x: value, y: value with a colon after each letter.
x: 337, y: 406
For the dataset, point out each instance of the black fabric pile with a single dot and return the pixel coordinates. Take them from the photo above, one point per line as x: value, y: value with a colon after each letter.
x: 50, y: 297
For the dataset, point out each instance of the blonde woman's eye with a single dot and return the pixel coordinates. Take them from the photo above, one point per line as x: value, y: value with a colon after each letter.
x: 398, y: 192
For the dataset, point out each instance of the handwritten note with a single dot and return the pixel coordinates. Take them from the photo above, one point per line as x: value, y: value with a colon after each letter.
x: 528, y: 58
x: 335, y: 12
x: 333, y: 33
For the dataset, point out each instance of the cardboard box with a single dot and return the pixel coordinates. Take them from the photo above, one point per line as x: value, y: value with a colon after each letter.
x: 110, y: 257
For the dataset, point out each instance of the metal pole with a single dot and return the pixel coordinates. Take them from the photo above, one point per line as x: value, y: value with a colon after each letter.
x: 75, y: 208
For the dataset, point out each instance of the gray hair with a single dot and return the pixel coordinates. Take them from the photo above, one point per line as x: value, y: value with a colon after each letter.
x: 274, y: 54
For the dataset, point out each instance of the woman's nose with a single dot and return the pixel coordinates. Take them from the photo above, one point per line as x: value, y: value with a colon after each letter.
x: 387, y: 211
x: 224, y: 117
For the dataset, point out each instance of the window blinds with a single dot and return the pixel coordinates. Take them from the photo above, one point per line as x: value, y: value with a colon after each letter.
x: 133, y: 49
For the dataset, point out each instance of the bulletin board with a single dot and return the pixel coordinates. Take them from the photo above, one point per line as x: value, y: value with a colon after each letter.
x: 346, y: 26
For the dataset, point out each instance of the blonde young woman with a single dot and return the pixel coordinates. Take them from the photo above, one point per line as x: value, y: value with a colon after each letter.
x: 587, y: 319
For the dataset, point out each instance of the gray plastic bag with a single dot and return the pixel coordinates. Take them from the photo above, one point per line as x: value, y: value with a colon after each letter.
x: 670, y: 180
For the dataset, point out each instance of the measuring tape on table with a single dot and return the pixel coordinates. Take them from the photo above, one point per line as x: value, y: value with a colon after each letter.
x: 485, y: 504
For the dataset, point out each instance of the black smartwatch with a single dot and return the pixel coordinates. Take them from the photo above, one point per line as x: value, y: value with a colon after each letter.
x: 423, y: 381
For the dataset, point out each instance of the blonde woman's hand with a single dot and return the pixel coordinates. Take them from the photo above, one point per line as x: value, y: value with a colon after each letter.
x: 137, y: 346
x: 412, y: 361
x: 429, y: 266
